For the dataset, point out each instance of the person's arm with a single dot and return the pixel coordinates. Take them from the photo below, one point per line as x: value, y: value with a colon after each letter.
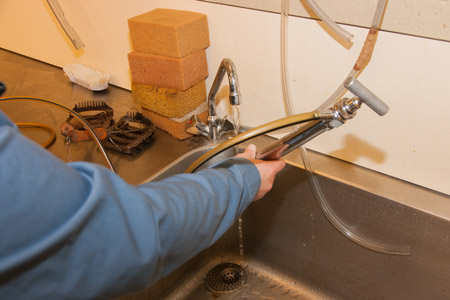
x: 79, y: 231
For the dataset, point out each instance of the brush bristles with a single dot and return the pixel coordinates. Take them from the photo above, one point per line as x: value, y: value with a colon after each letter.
x: 87, y: 77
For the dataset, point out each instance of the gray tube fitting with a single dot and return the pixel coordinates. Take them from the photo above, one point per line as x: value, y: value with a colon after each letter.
x: 366, y: 96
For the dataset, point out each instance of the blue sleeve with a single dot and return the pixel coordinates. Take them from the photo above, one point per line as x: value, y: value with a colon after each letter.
x: 78, y: 231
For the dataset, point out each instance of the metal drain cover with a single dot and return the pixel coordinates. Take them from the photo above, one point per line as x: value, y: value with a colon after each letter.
x: 225, y: 278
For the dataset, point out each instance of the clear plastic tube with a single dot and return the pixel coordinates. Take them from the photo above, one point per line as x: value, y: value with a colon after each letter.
x: 379, y: 12
x: 330, y: 23
x: 284, y: 57
x: 319, y: 196
x: 337, y: 94
x: 339, y: 224
x: 362, y: 59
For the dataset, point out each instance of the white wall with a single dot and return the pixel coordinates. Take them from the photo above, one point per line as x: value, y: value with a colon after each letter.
x: 410, y: 73
x: 426, y: 18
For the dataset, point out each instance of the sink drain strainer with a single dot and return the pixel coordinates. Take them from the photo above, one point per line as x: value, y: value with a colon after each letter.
x: 225, y: 278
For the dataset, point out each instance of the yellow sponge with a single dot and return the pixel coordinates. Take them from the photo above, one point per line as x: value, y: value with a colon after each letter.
x: 169, y: 32
x: 168, y: 102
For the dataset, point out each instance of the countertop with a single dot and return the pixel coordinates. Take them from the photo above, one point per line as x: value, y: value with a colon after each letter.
x: 24, y: 76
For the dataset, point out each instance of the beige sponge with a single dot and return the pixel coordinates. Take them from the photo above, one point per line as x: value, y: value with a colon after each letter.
x: 168, y: 32
x: 177, y: 127
x: 167, y: 72
x: 168, y: 102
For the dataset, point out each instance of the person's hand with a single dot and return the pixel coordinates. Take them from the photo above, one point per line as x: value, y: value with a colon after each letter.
x: 267, y: 169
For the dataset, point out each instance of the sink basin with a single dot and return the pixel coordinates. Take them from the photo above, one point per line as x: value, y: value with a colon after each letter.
x: 182, y: 163
x: 286, y: 249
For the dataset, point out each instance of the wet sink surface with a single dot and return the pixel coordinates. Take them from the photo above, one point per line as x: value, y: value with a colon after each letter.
x: 244, y: 276
x: 260, y: 283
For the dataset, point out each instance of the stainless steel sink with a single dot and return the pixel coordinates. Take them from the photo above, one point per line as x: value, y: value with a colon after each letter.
x: 182, y: 163
x: 291, y: 251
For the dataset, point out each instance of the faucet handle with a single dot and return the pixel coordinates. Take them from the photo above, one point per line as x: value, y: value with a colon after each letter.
x: 226, y: 125
x: 196, y: 126
x: 366, y: 96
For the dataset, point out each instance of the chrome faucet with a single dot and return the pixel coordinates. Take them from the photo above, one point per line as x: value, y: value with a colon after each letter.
x: 314, y: 124
x: 216, y: 126
x: 343, y: 110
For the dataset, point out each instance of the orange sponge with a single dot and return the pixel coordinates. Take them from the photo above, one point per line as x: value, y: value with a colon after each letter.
x: 167, y: 72
x: 167, y: 102
x: 168, y: 32
x: 176, y: 127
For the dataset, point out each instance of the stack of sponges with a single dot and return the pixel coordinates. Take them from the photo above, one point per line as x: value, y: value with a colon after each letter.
x: 168, y: 67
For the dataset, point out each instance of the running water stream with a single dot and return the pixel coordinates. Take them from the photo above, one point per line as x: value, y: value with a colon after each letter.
x: 241, y: 238
x: 237, y: 126
x: 236, y: 119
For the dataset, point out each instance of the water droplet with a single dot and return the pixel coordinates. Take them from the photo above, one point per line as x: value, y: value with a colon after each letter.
x: 241, y: 238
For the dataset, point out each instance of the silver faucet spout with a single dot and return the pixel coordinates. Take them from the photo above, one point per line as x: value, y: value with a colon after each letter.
x: 226, y: 66
x: 217, y: 127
